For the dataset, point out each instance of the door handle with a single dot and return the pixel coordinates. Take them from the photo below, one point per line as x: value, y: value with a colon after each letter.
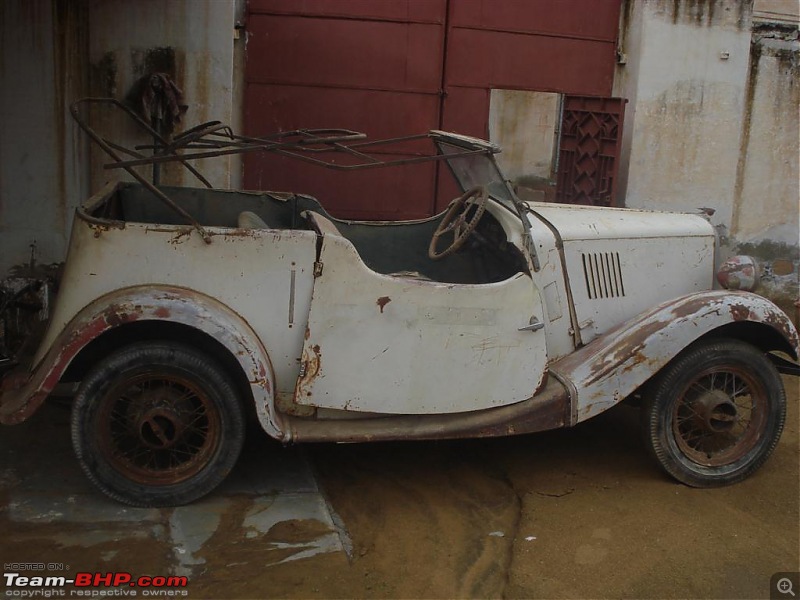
x: 535, y: 325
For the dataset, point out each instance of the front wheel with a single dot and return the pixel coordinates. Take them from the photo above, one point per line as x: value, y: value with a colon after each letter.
x: 715, y: 414
x: 157, y: 424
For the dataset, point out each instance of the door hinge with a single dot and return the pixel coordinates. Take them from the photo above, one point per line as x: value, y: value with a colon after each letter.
x: 317, y: 269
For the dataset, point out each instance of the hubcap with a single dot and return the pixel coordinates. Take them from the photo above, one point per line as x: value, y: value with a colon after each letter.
x: 717, y: 411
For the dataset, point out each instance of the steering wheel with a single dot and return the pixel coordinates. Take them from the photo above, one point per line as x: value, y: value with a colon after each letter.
x: 461, y: 218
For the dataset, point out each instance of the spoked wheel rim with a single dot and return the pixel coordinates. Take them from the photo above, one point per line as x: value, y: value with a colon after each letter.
x: 720, y: 417
x: 158, y: 428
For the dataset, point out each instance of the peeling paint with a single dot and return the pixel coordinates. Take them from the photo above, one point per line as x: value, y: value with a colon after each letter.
x: 19, y: 402
x: 614, y: 365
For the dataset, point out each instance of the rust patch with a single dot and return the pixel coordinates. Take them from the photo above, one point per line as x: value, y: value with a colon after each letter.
x: 115, y: 317
x: 739, y: 312
x: 623, y: 348
x: 783, y: 326
x: 691, y: 307
x: 312, y: 364
x: 383, y: 301
x: 162, y: 312
x: 181, y: 236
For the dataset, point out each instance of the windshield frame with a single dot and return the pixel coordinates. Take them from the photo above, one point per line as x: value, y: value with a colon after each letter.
x: 500, y: 188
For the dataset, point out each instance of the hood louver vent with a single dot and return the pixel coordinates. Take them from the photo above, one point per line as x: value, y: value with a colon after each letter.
x: 603, y: 275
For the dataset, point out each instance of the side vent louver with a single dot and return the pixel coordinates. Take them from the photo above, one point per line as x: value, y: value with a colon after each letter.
x: 603, y: 275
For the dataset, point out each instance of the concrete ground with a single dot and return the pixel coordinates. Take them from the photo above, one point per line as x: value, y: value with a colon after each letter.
x: 583, y: 512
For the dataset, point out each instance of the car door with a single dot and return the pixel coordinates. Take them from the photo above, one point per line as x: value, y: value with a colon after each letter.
x: 396, y: 345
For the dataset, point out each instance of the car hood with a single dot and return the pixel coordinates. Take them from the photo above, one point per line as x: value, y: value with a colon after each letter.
x: 575, y: 222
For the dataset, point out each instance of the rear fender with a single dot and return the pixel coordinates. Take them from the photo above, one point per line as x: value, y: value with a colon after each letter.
x: 23, y: 394
x: 614, y: 365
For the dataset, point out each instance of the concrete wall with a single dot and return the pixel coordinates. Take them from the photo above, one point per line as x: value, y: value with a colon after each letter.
x: 689, y: 88
x: 712, y: 121
x: 43, y: 173
x: 524, y: 124
x: 56, y: 51
x: 767, y: 190
x: 192, y: 41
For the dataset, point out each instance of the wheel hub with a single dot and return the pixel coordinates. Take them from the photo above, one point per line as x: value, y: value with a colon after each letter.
x: 717, y: 411
x: 159, y: 429
x: 161, y: 418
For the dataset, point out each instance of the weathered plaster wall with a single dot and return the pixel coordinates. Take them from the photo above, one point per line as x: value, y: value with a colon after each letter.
x: 766, y: 221
x: 191, y: 40
x: 689, y: 93
x: 56, y: 51
x: 42, y: 157
x: 712, y: 121
x: 625, y: 83
x: 768, y: 182
x: 523, y: 124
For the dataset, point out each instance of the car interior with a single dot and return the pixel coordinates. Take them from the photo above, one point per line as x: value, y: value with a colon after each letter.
x: 390, y: 248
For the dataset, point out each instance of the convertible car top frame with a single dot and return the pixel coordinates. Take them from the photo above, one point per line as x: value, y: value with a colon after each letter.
x: 322, y: 147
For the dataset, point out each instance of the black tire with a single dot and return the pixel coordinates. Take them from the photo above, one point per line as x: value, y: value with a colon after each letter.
x: 157, y: 424
x: 715, y: 414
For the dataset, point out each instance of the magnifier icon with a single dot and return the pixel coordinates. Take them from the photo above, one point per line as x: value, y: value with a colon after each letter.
x: 784, y: 586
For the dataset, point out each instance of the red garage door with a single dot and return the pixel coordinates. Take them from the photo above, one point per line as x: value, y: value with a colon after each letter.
x: 402, y: 67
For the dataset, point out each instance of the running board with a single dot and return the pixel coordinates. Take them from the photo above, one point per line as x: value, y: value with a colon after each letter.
x: 549, y: 409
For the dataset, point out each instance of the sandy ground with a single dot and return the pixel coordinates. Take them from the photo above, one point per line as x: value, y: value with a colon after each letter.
x: 566, y: 514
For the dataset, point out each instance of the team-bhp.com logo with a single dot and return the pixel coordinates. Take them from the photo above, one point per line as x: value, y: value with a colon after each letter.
x: 96, y: 584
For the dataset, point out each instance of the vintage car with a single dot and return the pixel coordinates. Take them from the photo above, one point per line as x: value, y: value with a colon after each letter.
x: 182, y: 310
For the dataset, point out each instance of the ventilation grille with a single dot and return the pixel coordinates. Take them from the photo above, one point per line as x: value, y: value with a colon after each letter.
x: 603, y: 275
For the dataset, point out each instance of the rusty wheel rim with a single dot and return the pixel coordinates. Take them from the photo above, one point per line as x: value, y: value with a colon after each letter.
x: 158, y: 429
x: 720, y: 416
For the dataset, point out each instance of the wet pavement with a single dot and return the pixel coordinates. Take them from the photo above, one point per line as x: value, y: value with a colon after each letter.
x: 583, y: 512
x: 48, y: 498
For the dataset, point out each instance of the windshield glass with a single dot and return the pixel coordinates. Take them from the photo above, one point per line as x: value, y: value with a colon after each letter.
x: 478, y: 169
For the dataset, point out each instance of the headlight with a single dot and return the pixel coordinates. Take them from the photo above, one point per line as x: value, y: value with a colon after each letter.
x: 739, y: 273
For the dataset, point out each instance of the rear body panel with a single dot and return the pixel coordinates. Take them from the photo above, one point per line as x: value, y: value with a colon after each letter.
x: 264, y: 276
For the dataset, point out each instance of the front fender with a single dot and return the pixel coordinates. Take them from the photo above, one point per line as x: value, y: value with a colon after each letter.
x: 614, y: 365
x: 23, y: 394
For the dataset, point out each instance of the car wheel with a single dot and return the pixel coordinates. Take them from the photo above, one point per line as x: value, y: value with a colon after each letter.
x: 157, y: 424
x: 714, y: 415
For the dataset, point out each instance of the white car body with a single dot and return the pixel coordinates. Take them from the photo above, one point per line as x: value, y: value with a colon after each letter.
x: 329, y: 348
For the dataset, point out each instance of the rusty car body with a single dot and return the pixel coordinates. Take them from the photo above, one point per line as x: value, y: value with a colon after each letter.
x: 182, y: 309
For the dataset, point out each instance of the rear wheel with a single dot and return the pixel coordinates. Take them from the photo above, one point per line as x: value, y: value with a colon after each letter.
x: 157, y: 424
x: 714, y: 415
